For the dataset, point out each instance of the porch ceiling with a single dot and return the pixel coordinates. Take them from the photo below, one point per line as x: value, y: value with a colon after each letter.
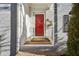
x: 37, y: 5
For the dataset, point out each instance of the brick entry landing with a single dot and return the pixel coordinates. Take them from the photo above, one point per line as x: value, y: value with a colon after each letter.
x: 38, y: 41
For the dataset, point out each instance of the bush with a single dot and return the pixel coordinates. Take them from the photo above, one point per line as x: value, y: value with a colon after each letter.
x: 73, y: 32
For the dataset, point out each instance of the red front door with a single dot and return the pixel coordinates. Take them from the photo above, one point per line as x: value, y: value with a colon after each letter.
x: 39, y: 24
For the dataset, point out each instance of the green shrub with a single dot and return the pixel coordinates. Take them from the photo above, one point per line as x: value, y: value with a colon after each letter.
x: 73, y: 32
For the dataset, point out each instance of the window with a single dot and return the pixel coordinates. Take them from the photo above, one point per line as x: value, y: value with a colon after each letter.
x: 65, y: 23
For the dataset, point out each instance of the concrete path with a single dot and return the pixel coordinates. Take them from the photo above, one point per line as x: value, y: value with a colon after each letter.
x: 38, y: 53
x: 21, y: 53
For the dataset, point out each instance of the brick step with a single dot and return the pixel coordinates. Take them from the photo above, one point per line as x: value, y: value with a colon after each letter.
x: 38, y: 41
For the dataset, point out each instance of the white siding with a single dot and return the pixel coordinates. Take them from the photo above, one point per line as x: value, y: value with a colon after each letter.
x: 5, y: 31
x: 50, y: 30
x: 21, y: 25
x: 63, y: 9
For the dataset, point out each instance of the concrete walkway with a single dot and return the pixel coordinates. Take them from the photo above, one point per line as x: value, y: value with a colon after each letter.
x: 21, y: 53
x: 38, y: 53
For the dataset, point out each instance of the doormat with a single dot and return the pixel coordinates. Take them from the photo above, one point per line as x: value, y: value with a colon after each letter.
x: 40, y: 41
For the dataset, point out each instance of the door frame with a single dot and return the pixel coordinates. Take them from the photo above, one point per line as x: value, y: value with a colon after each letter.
x: 44, y: 24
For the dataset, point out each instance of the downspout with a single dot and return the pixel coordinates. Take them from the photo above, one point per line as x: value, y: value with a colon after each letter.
x: 13, y: 41
x: 55, y: 23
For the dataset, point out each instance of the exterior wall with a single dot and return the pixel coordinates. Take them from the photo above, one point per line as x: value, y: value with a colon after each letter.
x: 32, y: 19
x: 50, y: 29
x: 26, y: 26
x: 31, y: 22
x: 5, y: 30
x: 63, y: 9
x: 21, y: 25
x: 28, y: 22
